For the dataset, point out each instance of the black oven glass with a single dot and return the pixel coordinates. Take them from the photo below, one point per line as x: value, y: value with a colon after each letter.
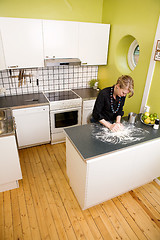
x: 66, y: 119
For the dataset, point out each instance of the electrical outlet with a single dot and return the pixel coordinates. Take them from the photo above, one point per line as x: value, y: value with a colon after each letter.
x: 146, y: 108
x: 2, y: 90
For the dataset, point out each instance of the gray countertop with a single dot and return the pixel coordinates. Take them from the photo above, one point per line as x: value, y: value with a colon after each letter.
x: 38, y: 99
x: 25, y: 100
x: 84, y: 139
x: 86, y: 93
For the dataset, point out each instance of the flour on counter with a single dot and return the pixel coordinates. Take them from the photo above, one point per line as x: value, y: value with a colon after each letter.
x: 129, y: 134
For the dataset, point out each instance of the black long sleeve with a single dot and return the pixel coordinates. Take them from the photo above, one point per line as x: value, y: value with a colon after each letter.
x: 102, y: 107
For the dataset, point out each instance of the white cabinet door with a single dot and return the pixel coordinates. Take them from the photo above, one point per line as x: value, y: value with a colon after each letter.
x: 22, y: 42
x: 60, y: 39
x: 10, y: 169
x: 87, y: 110
x: 93, y: 43
x: 32, y: 125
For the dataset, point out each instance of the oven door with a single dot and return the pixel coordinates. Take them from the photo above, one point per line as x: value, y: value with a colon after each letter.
x: 61, y: 119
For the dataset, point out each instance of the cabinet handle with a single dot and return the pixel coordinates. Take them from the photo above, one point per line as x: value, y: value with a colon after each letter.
x: 50, y: 57
x: 13, y: 66
x: 84, y: 63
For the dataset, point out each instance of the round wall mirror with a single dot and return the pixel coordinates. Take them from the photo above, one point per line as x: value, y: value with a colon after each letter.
x: 133, y: 55
x: 127, y: 54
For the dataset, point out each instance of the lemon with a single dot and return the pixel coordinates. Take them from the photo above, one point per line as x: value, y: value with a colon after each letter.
x: 147, y: 121
x: 146, y: 114
x: 149, y: 117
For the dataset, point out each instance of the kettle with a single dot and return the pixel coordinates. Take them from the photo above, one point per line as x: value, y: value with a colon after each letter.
x: 132, y: 117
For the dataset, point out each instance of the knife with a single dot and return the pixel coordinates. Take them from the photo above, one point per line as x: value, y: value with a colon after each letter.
x: 37, y: 77
x: 10, y: 72
x: 30, y: 77
x: 22, y: 77
x: 19, y: 78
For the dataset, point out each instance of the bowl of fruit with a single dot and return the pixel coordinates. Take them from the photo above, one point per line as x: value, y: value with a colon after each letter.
x: 148, y: 118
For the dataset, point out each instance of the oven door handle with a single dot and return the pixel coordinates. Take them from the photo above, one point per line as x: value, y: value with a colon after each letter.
x: 66, y: 110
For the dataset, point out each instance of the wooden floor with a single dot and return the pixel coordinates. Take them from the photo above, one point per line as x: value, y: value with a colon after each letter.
x: 44, y: 206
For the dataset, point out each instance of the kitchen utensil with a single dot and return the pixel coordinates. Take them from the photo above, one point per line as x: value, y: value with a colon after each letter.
x: 31, y: 100
x: 2, y: 115
x: 19, y: 77
x: 10, y: 73
x: 24, y: 77
x: 132, y: 117
x: 2, y: 127
x: 37, y: 77
x: 30, y: 80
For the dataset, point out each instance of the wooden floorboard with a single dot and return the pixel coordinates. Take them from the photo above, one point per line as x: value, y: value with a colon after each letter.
x: 44, y: 206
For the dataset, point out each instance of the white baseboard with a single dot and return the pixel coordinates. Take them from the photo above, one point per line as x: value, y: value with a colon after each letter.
x: 157, y: 181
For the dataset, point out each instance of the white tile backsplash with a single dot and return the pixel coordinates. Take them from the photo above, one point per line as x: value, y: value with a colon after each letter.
x: 50, y: 79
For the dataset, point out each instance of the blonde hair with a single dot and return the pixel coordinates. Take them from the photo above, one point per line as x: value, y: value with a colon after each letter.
x: 126, y: 81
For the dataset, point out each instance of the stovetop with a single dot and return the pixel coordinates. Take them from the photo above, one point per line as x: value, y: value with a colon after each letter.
x: 65, y: 99
x: 61, y: 95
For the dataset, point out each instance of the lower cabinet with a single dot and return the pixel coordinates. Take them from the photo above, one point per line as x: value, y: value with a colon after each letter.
x: 32, y: 126
x: 87, y: 109
x: 10, y: 170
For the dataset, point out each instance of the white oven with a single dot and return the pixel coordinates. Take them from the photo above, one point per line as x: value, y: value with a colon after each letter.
x: 65, y: 111
x: 61, y: 119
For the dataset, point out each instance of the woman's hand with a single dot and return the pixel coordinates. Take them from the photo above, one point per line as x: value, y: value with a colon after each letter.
x: 115, y: 127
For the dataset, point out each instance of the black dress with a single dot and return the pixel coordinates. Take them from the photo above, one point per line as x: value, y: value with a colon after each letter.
x: 102, y: 108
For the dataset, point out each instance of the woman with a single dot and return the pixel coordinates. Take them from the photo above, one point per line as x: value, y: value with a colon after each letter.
x: 108, y: 108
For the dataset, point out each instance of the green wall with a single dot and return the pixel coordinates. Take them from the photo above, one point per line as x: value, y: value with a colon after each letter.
x: 154, y: 95
x: 138, y: 19
x: 128, y: 19
x: 70, y: 10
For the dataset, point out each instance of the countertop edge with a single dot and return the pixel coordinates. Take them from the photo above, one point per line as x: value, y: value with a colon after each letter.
x: 105, y: 154
x: 75, y: 147
x: 29, y: 106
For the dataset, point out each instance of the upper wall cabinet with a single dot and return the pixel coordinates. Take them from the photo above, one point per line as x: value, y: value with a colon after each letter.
x: 22, y: 42
x: 60, y: 39
x: 93, y: 43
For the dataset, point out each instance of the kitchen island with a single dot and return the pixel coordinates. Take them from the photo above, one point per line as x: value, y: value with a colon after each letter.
x: 100, y: 170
